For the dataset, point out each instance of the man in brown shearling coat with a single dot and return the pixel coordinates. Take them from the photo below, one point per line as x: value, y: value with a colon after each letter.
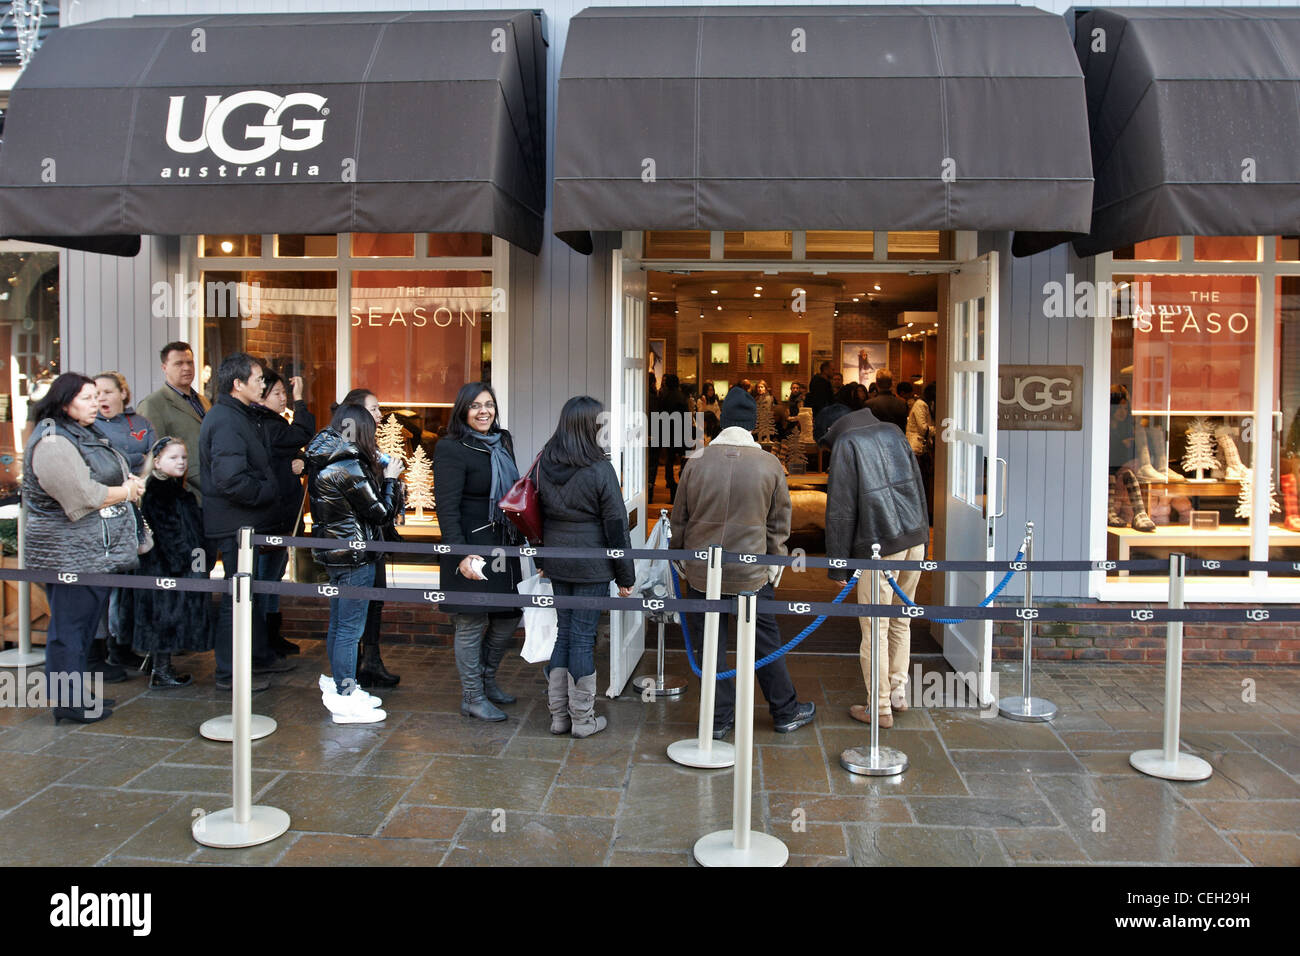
x: 734, y: 494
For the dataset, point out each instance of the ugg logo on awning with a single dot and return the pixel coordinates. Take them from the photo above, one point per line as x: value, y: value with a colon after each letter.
x: 217, y: 111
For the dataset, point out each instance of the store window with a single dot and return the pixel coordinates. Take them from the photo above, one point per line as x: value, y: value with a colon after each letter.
x: 676, y: 244
x: 845, y: 244
x: 285, y: 319
x: 1183, y: 464
x: 925, y: 244
x: 417, y: 337
x: 757, y: 245
x: 1164, y: 249
x: 413, y: 335
x: 29, y: 349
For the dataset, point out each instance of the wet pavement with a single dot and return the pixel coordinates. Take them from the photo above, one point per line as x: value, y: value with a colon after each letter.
x: 429, y: 787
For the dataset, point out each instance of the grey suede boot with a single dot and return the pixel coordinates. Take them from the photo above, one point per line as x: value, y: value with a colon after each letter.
x: 500, y: 631
x: 469, y: 662
x: 557, y: 691
x: 582, y: 706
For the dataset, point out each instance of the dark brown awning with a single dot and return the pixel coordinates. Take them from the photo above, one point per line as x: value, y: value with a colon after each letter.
x: 812, y: 117
x: 303, y: 123
x: 1195, y: 123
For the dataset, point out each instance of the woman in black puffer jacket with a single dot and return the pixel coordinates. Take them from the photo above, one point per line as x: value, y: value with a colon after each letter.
x: 582, y: 507
x: 351, y: 500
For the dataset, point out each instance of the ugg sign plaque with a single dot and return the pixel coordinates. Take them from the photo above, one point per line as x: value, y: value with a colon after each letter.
x: 1040, y: 397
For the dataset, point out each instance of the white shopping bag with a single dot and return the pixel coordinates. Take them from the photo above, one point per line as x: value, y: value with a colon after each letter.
x: 653, y: 579
x: 540, y: 623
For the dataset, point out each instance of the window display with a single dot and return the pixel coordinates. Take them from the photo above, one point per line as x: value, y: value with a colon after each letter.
x: 1183, y: 424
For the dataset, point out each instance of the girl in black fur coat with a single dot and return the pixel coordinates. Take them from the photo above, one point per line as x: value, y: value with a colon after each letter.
x: 165, y: 622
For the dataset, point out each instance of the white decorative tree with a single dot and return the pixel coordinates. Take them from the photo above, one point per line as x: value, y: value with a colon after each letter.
x: 419, y: 483
x: 1199, y: 456
x: 388, y: 436
x: 1245, y: 497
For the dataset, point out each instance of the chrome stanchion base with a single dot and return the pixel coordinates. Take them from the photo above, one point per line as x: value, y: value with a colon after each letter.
x: 222, y: 728
x: 717, y: 849
x: 884, y: 762
x: 17, y: 658
x: 220, y: 829
x: 1185, y: 767
x: 670, y: 686
x: 688, y: 754
x: 1026, y: 708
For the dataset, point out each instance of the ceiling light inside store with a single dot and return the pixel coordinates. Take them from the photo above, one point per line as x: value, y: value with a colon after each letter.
x: 758, y: 288
x: 227, y: 246
x: 876, y: 287
x: 758, y: 295
x: 713, y: 292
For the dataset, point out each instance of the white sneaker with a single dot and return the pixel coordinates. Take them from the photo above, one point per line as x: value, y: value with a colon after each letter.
x: 328, y: 689
x: 352, y: 709
x: 898, y: 699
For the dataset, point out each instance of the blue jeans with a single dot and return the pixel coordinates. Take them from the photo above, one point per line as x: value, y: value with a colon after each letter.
x: 269, y: 565
x: 575, y: 635
x: 75, y: 612
x: 347, y: 621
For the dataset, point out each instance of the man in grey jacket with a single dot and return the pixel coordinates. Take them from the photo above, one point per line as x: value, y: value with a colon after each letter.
x: 734, y: 494
x: 176, y: 409
x: 875, y: 495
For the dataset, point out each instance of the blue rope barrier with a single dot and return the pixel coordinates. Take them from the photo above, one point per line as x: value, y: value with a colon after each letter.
x: 1006, y: 579
x: 779, y: 652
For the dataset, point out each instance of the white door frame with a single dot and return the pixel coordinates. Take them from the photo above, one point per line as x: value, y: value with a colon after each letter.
x: 627, y: 418
x: 974, y: 492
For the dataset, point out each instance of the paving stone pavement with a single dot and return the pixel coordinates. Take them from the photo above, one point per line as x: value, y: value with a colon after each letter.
x: 429, y: 787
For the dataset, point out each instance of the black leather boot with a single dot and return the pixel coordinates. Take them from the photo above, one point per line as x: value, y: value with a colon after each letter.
x: 371, y: 671
x: 274, y: 640
x: 496, y: 641
x: 163, y: 676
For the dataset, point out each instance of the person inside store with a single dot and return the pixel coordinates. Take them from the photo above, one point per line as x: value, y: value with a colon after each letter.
x: 353, y: 498
x: 77, y: 494
x: 582, y: 507
x: 708, y: 400
x: 887, y: 406
x: 176, y: 409
x: 1127, y: 505
x: 820, y: 392
x: 907, y: 393
x: 653, y: 451
x: 239, y: 489
x: 734, y: 494
x: 132, y: 435
x: 161, y: 623
x: 921, y: 435
x: 371, y: 671
x: 674, y: 431
x: 473, y: 468
x: 875, y: 495
x: 287, y: 440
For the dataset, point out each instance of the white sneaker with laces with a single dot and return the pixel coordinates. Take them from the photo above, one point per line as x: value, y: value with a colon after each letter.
x: 898, y: 699
x: 351, y: 709
x: 329, y: 689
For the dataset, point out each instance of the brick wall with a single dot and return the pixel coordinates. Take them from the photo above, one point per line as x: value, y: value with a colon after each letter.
x: 1263, y: 643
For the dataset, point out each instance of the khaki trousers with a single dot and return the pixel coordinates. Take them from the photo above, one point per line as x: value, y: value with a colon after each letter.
x: 894, y: 648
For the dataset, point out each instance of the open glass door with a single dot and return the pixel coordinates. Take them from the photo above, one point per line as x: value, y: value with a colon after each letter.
x: 628, y: 448
x: 974, y: 497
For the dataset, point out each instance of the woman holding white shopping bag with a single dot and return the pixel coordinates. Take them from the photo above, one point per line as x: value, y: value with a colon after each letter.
x: 582, y: 507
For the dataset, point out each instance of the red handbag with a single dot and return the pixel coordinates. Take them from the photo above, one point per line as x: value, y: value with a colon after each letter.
x: 521, y: 506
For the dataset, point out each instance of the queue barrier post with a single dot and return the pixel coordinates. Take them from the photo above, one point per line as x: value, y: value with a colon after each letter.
x: 222, y: 729
x: 874, y: 761
x: 741, y: 846
x: 242, y: 824
x: 703, y: 751
x: 1168, y: 763
x: 23, y: 655
x: 656, y: 686
x: 1027, y: 707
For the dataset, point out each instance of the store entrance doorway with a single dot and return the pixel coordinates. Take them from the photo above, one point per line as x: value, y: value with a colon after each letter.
x: 712, y: 331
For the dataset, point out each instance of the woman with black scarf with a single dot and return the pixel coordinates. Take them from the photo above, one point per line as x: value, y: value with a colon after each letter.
x: 473, y: 468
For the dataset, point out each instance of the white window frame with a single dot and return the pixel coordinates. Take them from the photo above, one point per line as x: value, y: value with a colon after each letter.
x: 498, y: 263
x: 1258, y: 588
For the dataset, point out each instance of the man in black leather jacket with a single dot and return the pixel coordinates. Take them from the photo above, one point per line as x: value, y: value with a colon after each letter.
x: 875, y: 495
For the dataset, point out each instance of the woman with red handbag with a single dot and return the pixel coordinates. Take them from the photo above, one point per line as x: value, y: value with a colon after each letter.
x: 473, y: 469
